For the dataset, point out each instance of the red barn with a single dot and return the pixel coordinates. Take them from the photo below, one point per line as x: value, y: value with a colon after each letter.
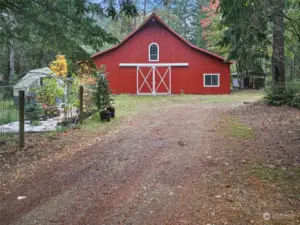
x: 154, y: 59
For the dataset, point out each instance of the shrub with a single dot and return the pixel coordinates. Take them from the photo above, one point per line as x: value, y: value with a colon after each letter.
x: 50, y: 90
x: 293, y: 88
x: 275, y: 95
x: 34, y: 112
x: 35, y: 123
x: 59, y: 66
x: 281, y: 95
x: 296, y: 101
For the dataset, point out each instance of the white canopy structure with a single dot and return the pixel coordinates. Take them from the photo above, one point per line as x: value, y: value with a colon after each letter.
x: 33, y: 80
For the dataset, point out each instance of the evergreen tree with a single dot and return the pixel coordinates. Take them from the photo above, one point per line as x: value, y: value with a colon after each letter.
x: 52, y: 26
x: 186, y: 19
x: 60, y: 24
x: 247, y: 31
x: 194, y: 12
x: 250, y: 24
x: 103, y: 95
x: 199, y: 31
x: 181, y: 10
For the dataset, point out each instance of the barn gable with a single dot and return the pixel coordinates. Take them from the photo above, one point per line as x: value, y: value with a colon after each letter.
x: 154, y: 18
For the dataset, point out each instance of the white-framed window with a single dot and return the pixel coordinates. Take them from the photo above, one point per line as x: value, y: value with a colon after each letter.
x: 153, y: 52
x: 211, y: 80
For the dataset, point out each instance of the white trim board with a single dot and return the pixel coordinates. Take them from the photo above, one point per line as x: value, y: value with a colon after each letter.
x: 152, y: 64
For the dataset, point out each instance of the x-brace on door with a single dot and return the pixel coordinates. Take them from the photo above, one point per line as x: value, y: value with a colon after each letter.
x: 154, y: 80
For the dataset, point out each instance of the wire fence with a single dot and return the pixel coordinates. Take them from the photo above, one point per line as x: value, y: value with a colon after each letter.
x: 65, y: 112
x: 9, y: 114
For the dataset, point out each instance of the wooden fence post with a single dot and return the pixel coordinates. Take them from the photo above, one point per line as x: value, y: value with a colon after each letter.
x: 81, y: 104
x: 21, y: 119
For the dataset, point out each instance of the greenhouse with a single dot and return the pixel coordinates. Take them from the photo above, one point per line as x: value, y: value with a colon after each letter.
x: 33, y: 79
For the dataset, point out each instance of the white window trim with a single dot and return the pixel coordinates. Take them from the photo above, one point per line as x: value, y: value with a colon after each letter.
x: 209, y: 74
x: 153, y: 43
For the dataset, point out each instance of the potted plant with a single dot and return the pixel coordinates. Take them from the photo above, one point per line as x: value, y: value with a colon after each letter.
x: 103, y: 98
x: 112, y: 111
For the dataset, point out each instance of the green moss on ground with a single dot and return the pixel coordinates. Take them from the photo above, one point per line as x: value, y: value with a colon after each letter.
x: 236, y: 129
x: 285, y: 179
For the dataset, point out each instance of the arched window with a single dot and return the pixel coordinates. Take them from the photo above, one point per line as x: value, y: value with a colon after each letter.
x: 153, y: 52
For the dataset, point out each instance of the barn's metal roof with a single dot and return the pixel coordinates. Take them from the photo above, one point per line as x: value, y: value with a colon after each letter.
x: 155, y: 16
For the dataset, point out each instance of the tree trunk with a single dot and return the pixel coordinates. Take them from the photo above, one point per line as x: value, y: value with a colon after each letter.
x: 278, y: 67
x: 17, y: 65
x: 11, y: 62
x: 239, y: 75
x: 135, y: 18
x: 145, y: 9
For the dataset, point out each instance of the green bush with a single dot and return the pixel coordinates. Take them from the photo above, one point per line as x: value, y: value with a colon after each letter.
x: 276, y: 95
x: 49, y: 91
x: 283, y: 95
x: 296, y: 101
x: 34, y: 112
x: 293, y: 88
x: 35, y: 123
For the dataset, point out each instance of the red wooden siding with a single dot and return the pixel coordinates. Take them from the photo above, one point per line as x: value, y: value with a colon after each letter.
x: 190, y: 79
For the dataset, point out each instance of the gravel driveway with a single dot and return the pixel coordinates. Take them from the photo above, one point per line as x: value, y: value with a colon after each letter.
x: 163, y: 166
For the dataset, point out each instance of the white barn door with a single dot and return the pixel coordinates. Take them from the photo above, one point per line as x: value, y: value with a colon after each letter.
x: 145, y: 80
x: 154, y: 80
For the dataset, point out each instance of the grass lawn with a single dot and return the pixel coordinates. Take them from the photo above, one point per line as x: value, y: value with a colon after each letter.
x: 129, y: 105
x: 236, y: 96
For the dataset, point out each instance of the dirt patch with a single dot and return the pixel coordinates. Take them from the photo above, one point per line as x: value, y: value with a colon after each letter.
x: 273, y: 160
x: 279, y: 129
